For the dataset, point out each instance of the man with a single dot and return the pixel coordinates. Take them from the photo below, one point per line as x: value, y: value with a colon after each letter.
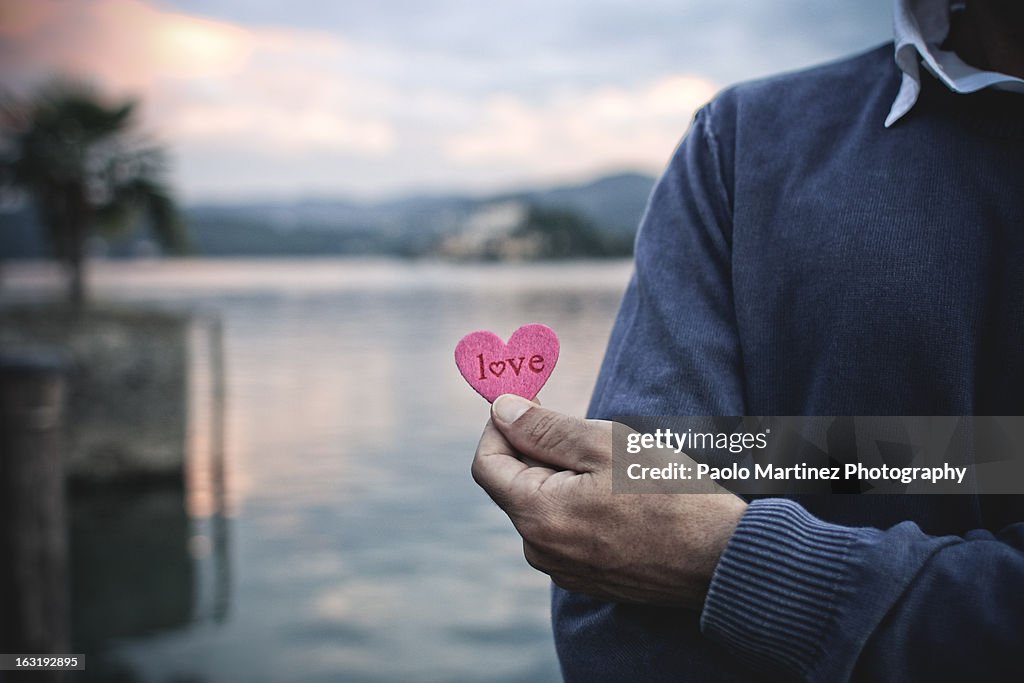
x: 848, y: 240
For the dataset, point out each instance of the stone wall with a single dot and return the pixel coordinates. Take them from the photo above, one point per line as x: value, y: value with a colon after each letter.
x: 127, y: 372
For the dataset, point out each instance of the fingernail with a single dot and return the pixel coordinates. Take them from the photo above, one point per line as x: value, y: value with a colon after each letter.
x: 509, y: 407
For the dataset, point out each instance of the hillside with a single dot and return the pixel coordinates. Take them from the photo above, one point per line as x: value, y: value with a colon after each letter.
x: 601, y: 214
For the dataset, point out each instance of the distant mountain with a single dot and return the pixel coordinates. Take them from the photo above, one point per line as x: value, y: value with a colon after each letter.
x: 610, y: 206
x: 613, y: 203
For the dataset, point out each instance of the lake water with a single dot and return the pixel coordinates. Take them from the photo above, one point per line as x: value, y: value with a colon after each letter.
x: 358, y: 547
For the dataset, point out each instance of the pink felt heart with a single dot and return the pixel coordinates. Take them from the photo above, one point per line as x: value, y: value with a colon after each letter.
x: 521, y: 366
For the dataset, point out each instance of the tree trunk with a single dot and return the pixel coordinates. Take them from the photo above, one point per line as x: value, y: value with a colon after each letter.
x: 76, y: 280
x: 77, y: 227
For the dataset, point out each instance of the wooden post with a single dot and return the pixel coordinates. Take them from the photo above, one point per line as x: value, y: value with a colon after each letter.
x: 33, y: 531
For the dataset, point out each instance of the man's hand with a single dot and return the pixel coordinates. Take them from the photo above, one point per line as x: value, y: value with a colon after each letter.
x: 649, y: 548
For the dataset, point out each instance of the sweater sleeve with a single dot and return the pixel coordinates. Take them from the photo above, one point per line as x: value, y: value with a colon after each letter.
x: 827, y: 602
x: 674, y: 349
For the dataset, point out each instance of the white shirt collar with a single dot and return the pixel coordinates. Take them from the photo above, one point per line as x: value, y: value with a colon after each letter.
x: 919, y: 27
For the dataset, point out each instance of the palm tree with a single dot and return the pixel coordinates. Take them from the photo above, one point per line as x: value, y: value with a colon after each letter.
x: 86, y: 170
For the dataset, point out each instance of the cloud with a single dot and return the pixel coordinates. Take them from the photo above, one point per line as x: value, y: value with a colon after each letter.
x: 203, y: 80
x: 532, y: 45
x: 308, y: 97
x: 125, y: 44
x: 573, y: 132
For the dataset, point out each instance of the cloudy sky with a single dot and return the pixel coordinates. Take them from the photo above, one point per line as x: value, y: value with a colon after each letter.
x: 309, y: 98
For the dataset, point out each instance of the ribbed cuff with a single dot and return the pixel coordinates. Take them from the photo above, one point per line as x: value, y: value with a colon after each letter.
x: 774, y: 591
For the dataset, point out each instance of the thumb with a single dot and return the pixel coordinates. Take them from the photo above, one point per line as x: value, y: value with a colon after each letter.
x: 547, y: 436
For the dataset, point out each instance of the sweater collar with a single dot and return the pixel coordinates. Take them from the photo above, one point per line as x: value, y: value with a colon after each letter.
x: 919, y: 27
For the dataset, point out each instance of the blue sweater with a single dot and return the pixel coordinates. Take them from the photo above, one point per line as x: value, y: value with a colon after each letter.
x: 798, y: 258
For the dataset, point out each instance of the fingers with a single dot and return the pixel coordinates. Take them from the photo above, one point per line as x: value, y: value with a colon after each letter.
x: 546, y: 436
x: 498, y: 470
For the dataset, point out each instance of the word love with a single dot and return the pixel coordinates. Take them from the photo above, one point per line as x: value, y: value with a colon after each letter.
x: 497, y: 367
x: 521, y: 366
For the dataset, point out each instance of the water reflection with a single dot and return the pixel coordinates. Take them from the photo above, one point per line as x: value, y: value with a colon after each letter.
x: 131, y: 570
